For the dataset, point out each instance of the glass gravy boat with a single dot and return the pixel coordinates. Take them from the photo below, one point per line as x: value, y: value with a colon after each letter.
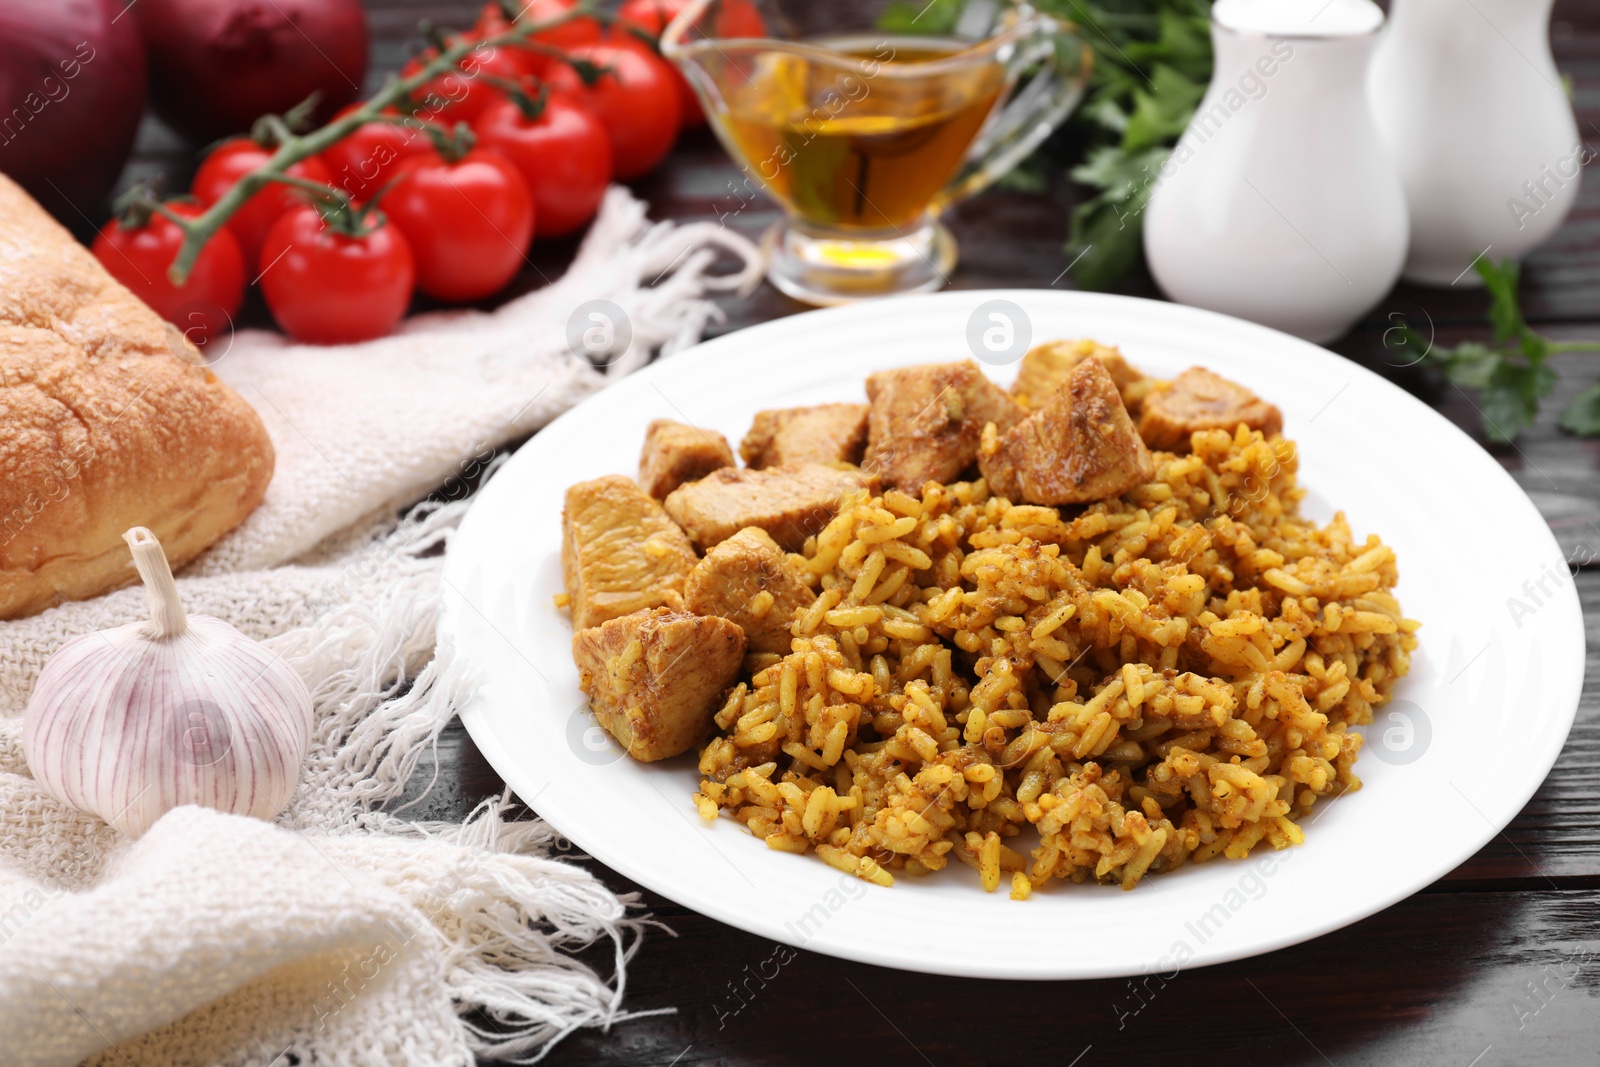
x: 865, y: 136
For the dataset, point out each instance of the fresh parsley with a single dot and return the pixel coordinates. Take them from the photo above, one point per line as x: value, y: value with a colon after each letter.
x: 908, y: 16
x: 1511, y: 373
x: 1152, y: 65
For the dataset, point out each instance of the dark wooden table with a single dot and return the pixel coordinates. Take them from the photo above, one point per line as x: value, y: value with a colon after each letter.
x: 1497, y: 963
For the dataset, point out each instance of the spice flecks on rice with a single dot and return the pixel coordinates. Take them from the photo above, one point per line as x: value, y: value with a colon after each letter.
x: 1165, y: 677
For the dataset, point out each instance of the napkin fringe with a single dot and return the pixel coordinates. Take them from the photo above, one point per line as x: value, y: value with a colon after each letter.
x: 512, y: 920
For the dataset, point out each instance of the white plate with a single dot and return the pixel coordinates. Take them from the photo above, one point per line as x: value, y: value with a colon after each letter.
x: 1474, y: 729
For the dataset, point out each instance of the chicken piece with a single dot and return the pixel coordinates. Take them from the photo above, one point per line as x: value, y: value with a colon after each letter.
x: 1200, y: 400
x: 675, y: 453
x: 619, y: 552
x: 926, y: 421
x: 655, y: 678
x: 748, y: 580
x: 824, y: 433
x: 790, y: 503
x: 1045, y: 368
x: 1081, y: 446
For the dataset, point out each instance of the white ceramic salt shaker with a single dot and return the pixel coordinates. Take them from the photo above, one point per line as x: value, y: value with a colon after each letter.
x: 1280, y: 203
x: 1469, y: 102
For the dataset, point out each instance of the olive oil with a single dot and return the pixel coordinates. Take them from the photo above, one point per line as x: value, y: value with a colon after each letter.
x: 852, y: 146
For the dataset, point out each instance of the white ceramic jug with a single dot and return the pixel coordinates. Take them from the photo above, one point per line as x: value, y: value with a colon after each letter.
x: 1280, y: 203
x: 1468, y: 99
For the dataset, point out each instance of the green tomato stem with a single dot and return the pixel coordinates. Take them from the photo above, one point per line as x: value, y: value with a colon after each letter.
x: 325, y: 193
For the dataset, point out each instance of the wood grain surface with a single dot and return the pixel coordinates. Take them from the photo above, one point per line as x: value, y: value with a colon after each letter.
x: 1497, y: 963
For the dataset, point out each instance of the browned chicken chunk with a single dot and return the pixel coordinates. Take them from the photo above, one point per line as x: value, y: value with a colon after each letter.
x: 750, y: 581
x: 1200, y: 400
x: 655, y: 678
x: 1081, y: 446
x: 675, y: 453
x: 790, y: 503
x: 823, y: 433
x: 1045, y: 368
x: 926, y: 421
x: 619, y: 552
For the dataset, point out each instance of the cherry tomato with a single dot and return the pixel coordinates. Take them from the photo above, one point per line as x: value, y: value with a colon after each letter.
x: 729, y: 18
x: 469, y: 223
x: 564, y: 156
x: 326, y: 287
x: 366, y: 159
x: 204, y: 306
x: 636, y: 100
x: 232, y: 160
x: 568, y: 35
x: 461, y: 95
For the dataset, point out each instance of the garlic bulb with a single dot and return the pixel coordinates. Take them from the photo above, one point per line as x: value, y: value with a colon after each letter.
x: 131, y: 722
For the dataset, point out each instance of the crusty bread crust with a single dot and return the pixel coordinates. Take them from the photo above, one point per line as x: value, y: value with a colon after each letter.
x: 107, y: 421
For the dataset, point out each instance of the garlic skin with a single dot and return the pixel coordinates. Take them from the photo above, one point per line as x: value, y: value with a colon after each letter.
x: 131, y: 722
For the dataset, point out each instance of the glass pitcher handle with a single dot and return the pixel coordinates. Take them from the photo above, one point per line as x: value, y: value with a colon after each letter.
x: 1033, y: 112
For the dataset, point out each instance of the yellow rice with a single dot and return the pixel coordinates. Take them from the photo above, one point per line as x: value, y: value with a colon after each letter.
x: 1146, y: 681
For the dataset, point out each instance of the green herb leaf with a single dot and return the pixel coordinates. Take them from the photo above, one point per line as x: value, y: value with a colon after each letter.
x: 1534, y: 346
x: 1107, y: 112
x: 1582, y: 416
x: 1511, y: 375
x: 1107, y: 236
x: 1504, y: 313
x: 1503, y: 414
x: 1510, y: 398
x: 1105, y: 244
x: 1469, y: 365
x: 1152, y: 63
x: 1161, y: 114
x: 1119, y: 174
x: 927, y: 16
x: 1183, y: 40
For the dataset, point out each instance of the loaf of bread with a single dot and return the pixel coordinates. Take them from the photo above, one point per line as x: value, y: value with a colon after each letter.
x: 108, y: 419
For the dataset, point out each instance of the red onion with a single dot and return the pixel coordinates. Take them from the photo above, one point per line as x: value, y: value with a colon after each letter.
x: 218, y: 65
x: 71, y: 92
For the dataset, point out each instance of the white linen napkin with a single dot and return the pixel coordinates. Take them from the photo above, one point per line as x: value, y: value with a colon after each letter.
x: 342, y: 934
